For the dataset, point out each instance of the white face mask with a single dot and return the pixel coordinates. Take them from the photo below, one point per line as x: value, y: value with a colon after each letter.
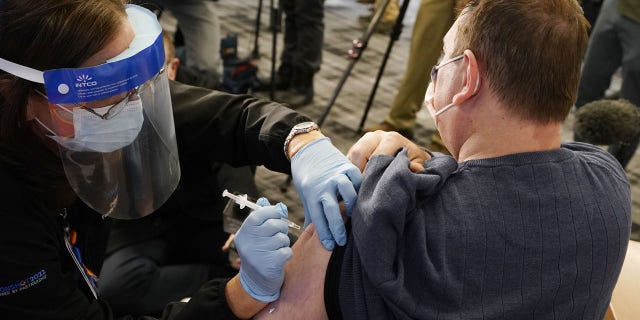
x: 95, y: 134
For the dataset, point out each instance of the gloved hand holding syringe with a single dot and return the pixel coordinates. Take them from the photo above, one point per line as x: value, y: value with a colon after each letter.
x: 263, y: 246
x: 242, y: 201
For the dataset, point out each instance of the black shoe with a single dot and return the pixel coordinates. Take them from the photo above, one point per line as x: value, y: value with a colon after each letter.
x: 301, y: 91
x: 283, y: 78
x: 295, y: 97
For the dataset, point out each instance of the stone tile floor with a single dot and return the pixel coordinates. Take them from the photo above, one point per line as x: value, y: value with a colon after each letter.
x: 341, y: 27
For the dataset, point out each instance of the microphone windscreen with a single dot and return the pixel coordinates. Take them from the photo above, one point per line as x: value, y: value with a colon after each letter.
x: 606, y: 122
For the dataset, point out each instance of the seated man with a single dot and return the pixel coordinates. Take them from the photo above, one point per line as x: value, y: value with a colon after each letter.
x: 515, y: 225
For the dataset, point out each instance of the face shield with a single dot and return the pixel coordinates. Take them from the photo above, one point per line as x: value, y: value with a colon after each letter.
x: 114, y: 124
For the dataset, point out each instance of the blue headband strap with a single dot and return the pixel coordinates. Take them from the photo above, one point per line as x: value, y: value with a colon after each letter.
x: 105, y: 80
x: 140, y: 62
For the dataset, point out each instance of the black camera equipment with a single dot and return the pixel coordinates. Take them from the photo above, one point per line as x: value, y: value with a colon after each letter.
x: 239, y: 75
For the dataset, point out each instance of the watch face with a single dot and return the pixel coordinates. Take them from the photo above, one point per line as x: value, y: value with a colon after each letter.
x: 304, y: 125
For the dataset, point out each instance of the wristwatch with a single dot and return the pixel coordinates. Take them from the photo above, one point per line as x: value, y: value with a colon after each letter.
x: 299, y: 128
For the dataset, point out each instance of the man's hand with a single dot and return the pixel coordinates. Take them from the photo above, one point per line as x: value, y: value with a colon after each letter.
x: 263, y: 246
x: 381, y: 142
x: 320, y: 173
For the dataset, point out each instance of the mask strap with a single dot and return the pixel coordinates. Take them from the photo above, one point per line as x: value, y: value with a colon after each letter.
x: 447, y: 107
x: 47, y: 128
x: 21, y: 71
x: 45, y: 96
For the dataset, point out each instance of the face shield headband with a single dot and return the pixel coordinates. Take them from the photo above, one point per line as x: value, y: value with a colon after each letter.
x: 114, y: 124
x: 140, y: 62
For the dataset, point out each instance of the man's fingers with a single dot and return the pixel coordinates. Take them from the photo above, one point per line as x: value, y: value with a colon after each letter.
x: 390, y: 142
x: 359, y: 153
x: 416, y: 166
x: 381, y: 142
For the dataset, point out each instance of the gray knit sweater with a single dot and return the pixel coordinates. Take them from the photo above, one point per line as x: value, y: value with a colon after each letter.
x: 537, y: 235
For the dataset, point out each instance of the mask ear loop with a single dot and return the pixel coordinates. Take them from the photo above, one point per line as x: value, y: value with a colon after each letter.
x: 477, y: 82
x: 38, y: 120
x: 44, y: 126
x: 45, y: 96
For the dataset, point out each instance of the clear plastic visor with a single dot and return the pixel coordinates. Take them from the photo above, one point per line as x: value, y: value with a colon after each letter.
x: 134, y: 180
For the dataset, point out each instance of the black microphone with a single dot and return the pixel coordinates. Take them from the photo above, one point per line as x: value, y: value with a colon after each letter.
x: 606, y: 122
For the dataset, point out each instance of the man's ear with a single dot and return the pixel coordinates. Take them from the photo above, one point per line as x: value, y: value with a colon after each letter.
x: 172, y: 68
x: 472, y: 80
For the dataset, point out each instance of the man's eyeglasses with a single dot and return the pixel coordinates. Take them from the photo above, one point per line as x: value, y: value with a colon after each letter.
x: 434, y: 70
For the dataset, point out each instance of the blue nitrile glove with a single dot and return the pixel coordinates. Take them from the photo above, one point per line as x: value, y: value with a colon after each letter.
x: 321, y: 172
x: 263, y: 246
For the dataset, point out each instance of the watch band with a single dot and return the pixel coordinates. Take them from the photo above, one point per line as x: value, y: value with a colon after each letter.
x: 299, y: 128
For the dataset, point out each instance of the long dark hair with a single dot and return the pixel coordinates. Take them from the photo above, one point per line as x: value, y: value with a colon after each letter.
x: 45, y: 34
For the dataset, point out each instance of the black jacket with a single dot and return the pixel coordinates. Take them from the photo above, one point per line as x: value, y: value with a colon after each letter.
x: 39, y: 279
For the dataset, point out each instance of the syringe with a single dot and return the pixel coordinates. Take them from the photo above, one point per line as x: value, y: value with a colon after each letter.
x: 242, y: 201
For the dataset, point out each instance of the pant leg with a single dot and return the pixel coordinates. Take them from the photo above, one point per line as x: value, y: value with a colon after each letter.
x: 134, y: 281
x: 392, y: 12
x: 290, y: 54
x: 629, y: 35
x: 201, y: 30
x: 309, y: 21
x: 434, y: 19
x: 603, y: 56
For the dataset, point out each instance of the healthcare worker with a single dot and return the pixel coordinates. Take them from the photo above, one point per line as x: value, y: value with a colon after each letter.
x: 89, y: 123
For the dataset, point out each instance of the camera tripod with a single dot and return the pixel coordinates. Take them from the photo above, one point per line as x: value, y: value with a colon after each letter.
x: 358, y: 46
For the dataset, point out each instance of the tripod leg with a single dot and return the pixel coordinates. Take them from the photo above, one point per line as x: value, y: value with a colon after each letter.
x: 256, y: 48
x: 276, y: 21
x: 395, y: 35
x: 354, y: 53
